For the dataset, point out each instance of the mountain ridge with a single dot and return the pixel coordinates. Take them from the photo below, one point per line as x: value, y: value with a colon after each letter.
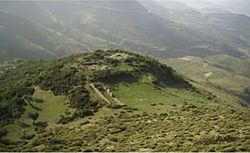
x: 136, y: 29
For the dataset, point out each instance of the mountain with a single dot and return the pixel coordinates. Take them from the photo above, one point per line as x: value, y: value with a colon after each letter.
x: 230, y: 30
x: 29, y: 40
x: 15, y: 46
x: 60, y: 29
x: 114, y: 101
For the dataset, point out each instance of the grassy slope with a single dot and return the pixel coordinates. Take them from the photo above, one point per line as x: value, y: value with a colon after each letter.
x: 49, y: 110
x: 158, y: 117
x: 144, y: 95
x: 223, y: 73
x: 235, y: 65
x: 52, y: 107
x: 185, y: 121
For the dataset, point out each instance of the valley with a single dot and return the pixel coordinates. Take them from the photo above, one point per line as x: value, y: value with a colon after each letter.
x: 50, y: 31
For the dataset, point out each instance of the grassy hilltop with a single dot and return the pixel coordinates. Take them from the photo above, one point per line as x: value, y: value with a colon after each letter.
x: 114, y: 101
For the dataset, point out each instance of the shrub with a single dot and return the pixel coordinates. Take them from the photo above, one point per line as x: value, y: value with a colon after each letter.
x: 3, y: 133
x: 34, y: 116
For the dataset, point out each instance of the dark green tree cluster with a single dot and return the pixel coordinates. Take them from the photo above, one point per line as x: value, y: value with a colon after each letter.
x: 69, y: 81
x: 60, y: 81
x: 3, y: 133
x: 16, y: 84
x: 80, y: 99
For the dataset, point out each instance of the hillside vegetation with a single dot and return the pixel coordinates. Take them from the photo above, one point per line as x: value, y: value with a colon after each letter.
x: 221, y: 71
x: 114, y: 101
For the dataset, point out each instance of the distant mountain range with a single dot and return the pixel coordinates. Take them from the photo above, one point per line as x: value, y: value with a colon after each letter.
x: 34, y: 30
x: 230, y: 30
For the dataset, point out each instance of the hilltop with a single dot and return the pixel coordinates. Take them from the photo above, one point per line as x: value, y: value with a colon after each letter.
x: 114, y: 101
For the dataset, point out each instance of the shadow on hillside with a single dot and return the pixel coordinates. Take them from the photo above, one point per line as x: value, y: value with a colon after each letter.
x: 119, y: 78
x: 39, y: 100
x: 179, y: 84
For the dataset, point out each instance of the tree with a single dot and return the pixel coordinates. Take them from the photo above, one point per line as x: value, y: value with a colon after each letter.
x: 34, y: 116
x: 3, y: 132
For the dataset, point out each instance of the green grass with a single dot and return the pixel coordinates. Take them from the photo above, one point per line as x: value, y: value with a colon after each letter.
x: 233, y: 64
x: 147, y: 98
x: 14, y: 132
x: 140, y: 95
x: 203, y: 70
x: 125, y: 67
x: 119, y: 130
x: 52, y: 107
x: 187, y: 121
x: 49, y: 111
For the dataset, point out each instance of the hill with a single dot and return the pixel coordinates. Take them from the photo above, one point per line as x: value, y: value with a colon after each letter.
x: 114, y: 101
x: 221, y: 71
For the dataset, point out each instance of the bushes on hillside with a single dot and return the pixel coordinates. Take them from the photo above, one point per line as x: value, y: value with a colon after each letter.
x: 34, y: 116
x: 60, y: 82
x: 3, y: 132
x: 16, y: 84
x: 69, y: 82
